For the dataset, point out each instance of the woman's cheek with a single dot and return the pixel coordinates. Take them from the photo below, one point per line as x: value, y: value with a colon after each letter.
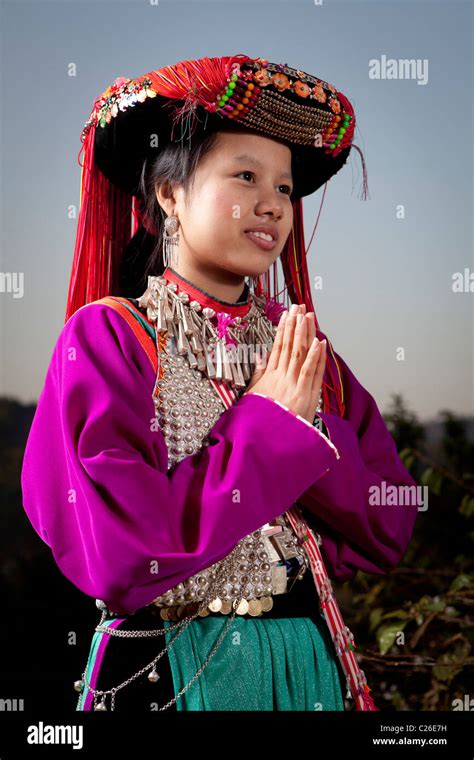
x: 229, y: 203
x: 223, y: 208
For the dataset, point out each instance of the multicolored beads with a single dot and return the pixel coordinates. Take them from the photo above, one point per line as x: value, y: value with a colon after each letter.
x: 336, y: 131
x: 122, y: 94
x: 238, y: 98
x: 241, y: 96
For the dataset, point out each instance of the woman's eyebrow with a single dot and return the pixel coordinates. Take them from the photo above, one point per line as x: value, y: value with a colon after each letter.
x: 246, y: 158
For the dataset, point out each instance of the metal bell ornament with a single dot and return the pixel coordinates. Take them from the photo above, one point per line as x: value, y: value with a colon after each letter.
x: 101, y: 706
x: 153, y: 676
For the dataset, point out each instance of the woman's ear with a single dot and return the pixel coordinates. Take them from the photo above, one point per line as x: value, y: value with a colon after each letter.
x: 165, y: 197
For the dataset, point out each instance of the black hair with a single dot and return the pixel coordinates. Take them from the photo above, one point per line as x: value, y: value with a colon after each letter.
x: 176, y: 163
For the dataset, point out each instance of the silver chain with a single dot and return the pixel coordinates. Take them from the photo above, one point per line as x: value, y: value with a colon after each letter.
x: 226, y: 567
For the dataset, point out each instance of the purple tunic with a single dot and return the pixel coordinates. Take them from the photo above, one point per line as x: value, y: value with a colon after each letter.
x: 122, y: 529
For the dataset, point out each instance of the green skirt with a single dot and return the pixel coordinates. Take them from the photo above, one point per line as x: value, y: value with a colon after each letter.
x: 261, y: 664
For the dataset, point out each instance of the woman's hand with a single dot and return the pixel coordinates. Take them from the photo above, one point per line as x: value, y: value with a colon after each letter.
x: 294, y: 373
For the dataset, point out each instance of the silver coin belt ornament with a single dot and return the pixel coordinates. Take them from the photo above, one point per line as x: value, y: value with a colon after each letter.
x: 193, y: 353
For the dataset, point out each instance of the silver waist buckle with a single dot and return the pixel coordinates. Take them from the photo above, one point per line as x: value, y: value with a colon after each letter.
x: 257, y: 576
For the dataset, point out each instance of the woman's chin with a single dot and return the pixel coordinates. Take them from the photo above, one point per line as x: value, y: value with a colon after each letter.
x: 253, y: 266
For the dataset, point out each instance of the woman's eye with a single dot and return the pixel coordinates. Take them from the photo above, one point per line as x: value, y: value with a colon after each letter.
x: 239, y: 175
x: 288, y: 190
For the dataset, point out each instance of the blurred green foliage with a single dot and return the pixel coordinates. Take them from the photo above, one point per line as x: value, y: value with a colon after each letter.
x: 413, y: 627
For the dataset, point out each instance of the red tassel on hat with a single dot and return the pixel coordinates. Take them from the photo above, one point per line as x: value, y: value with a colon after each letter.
x: 196, y: 82
x: 103, y: 230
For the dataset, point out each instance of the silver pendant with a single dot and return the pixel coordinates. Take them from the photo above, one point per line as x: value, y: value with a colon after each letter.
x: 153, y: 676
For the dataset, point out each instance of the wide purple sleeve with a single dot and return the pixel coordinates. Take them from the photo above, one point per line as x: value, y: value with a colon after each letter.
x: 364, y: 508
x: 95, y: 482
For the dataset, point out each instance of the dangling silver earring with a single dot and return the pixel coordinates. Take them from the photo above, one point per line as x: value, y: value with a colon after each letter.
x: 171, y: 242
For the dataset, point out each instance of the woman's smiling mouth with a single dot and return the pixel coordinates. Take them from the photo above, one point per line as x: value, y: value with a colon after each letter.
x: 262, y: 240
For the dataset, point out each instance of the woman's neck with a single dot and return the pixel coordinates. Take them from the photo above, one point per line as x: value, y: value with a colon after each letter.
x: 234, y: 290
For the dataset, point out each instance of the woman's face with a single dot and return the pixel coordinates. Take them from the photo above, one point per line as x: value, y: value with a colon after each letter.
x: 229, y: 196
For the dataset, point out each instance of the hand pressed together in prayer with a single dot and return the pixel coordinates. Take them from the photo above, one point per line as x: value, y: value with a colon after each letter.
x: 294, y: 372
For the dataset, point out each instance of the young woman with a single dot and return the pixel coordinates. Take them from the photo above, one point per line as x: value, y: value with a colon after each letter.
x: 185, y: 435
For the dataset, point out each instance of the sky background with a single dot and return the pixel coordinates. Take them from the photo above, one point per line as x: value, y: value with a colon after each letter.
x: 387, y: 282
